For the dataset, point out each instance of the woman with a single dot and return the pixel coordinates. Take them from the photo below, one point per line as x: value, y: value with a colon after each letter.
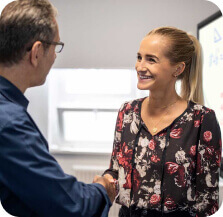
x: 167, y: 147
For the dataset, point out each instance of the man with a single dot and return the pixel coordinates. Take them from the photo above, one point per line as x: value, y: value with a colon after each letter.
x: 31, y: 181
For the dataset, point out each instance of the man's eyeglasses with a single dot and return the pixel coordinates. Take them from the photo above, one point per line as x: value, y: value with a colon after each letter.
x: 59, y: 45
x: 58, y: 48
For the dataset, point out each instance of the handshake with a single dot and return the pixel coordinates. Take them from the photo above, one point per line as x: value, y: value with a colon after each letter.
x: 109, y: 183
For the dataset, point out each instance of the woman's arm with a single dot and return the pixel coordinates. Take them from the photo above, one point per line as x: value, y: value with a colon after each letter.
x: 208, y: 166
x: 112, y: 171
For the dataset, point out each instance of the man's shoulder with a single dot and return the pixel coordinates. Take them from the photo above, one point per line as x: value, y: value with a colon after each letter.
x: 9, y: 112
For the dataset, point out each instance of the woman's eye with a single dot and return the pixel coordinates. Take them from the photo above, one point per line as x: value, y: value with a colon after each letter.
x: 139, y: 58
x: 151, y: 60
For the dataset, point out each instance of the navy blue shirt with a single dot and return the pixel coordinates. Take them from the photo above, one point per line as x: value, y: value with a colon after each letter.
x: 31, y: 181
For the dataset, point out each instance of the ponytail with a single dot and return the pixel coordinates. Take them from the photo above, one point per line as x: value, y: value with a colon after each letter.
x: 191, y: 86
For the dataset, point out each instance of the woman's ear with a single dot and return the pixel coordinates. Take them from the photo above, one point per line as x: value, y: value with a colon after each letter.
x: 35, y: 53
x: 179, y: 69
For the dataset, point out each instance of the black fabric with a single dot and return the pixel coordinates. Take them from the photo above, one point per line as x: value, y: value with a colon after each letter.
x: 136, y: 212
x: 221, y: 171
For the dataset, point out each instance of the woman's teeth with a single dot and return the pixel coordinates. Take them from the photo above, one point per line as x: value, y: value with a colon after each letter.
x: 145, y: 77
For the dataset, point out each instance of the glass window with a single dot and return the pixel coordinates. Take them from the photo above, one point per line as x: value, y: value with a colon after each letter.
x: 83, y: 105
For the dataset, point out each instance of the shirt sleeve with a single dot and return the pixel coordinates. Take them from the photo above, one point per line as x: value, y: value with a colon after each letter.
x: 113, y: 168
x: 34, y: 179
x: 208, y: 166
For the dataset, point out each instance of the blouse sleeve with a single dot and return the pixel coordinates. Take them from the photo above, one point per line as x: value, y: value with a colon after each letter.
x: 208, y: 166
x: 113, y: 168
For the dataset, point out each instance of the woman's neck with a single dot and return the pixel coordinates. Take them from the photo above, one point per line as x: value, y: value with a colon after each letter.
x: 159, y: 102
x: 162, y: 100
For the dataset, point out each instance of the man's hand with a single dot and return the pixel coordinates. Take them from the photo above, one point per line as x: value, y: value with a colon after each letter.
x: 108, y: 184
x: 109, y: 177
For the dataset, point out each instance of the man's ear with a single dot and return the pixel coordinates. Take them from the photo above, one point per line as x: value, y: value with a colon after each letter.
x: 35, y: 53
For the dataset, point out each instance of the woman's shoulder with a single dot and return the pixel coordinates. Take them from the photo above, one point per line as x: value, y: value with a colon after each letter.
x: 201, y: 109
x: 132, y: 105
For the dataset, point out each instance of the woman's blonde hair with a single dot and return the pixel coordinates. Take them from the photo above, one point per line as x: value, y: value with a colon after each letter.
x: 185, y: 48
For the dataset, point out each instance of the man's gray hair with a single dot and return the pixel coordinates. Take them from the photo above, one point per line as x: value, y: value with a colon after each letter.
x: 22, y: 22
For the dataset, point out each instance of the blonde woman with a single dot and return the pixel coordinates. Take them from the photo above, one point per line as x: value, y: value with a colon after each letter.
x: 167, y: 147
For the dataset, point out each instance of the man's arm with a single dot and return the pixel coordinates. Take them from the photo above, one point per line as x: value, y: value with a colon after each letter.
x: 35, y: 178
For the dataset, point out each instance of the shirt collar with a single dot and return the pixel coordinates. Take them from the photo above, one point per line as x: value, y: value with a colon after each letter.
x: 12, y: 93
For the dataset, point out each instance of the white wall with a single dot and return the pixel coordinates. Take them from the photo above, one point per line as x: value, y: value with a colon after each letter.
x: 106, y: 34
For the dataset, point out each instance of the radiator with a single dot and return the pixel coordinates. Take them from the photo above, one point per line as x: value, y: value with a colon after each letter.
x: 86, y: 174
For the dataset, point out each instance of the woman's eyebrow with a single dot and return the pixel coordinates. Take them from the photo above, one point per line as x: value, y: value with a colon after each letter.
x: 149, y: 55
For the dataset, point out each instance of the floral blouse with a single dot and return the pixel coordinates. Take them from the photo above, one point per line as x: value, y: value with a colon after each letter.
x: 176, y: 169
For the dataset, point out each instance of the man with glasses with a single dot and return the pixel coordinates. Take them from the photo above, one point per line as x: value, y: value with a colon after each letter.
x: 31, y: 181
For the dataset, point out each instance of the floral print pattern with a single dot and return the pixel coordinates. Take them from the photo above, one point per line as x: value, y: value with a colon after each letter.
x: 176, y: 169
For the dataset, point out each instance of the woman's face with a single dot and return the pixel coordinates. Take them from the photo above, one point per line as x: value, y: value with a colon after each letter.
x: 154, y: 70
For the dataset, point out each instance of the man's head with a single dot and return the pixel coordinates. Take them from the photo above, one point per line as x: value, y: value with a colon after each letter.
x: 23, y: 22
x: 29, y: 37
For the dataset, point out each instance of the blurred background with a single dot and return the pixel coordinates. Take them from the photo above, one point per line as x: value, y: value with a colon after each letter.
x: 76, y: 109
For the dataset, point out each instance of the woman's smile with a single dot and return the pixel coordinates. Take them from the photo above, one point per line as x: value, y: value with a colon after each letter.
x: 144, y: 78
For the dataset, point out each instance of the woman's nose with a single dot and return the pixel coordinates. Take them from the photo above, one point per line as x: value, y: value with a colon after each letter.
x: 140, y: 66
